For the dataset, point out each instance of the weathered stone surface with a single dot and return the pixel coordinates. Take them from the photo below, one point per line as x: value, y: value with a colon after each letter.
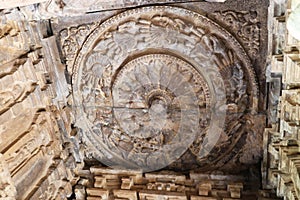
x: 166, y: 185
x: 108, y: 74
x: 30, y: 139
x: 7, y: 187
x: 16, y: 3
x: 293, y: 19
x: 145, y: 84
x: 75, y: 8
x: 281, y: 139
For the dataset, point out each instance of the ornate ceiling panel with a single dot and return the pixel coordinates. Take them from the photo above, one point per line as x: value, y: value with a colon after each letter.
x: 162, y: 86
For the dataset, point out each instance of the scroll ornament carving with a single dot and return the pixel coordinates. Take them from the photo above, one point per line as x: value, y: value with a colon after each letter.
x: 72, y: 38
x: 15, y: 94
x: 149, y: 77
x: 246, y: 26
x: 30, y: 145
x: 17, y: 125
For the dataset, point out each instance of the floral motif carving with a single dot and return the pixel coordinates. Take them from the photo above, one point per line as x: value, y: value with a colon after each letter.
x: 71, y: 40
x: 155, y: 104
x: 246, y: 26
x: 118, y: 76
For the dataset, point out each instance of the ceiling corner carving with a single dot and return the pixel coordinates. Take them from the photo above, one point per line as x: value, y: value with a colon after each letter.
x: 245, y: 25
x: 155, y: 85
x: 71, y: 39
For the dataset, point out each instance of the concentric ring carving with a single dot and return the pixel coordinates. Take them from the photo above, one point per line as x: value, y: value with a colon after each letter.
x: 150, y: 78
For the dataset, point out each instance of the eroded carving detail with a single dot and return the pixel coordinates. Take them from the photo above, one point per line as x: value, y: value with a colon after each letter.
x: 9, y: 48
x: 32, y: 159
x: 7, y: 189
x: 145, y: 108
x: 29, y: 146
x: 117, y: 79
x: 246, y: 25
x: 15, y: 94
x: 71, y: 40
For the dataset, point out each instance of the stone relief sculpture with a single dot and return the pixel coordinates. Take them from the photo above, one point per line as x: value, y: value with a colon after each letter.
x: 87, y: 88
x: 72, y: 38
x: 247, y: 26
x: 155, y: 83
x: 15, y: 94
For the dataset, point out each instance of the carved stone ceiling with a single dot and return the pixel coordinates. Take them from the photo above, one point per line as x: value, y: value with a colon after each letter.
x: 162, y: 86
x: 173, y: 88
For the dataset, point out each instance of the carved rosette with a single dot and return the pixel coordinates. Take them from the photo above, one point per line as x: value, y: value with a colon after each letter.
x: 155, y: 83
